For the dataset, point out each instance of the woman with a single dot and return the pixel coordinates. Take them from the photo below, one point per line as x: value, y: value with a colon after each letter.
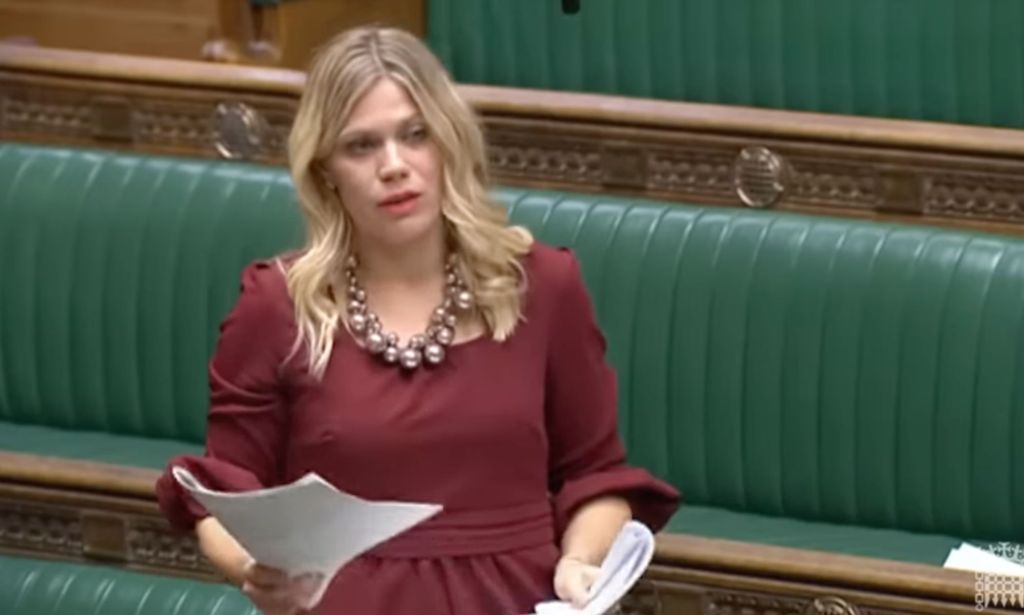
x: 420, y: 349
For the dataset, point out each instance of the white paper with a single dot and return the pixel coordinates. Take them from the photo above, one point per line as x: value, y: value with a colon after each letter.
x: 973, y: 559
x: 308, y: 526
x: 626, y: 561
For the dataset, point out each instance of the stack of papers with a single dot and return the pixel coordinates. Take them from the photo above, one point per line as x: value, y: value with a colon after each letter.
x: 973, y: 559
x: 306, y: 527
x: 626, y: 561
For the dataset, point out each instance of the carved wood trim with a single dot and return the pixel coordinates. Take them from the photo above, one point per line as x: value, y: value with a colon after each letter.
x: 722, y: 592
x: 82, y: 529
x: 86, y: 511
x: 853, y: 166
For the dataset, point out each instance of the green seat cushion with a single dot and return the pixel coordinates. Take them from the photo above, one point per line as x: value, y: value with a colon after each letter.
x: 37, y: 587
x: 710, y: 522
x: 92, y: 445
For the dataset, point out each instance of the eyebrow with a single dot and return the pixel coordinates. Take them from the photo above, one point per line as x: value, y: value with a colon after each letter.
x: 362, y: 132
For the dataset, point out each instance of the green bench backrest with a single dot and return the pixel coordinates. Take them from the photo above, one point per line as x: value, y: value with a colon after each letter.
x: 946, y: 60
x: 819, y: 368
x: 114, y: 274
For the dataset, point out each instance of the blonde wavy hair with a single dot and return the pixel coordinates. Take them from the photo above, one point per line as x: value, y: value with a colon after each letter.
x: 477, y: 229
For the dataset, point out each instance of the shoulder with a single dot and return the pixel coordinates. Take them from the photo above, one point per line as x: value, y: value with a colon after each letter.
x: 257, y: 332
x: 263, y: 294
x: 264, y: 281
x: 551, y: 270
x: 554, y: 279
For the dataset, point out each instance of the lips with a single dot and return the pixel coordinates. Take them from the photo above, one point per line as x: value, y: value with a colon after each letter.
x: 400, y: 199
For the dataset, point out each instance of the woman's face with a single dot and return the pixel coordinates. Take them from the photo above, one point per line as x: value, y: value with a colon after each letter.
x: 387, y: 168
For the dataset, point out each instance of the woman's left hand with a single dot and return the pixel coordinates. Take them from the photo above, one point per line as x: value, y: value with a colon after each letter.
x: 573, y: 579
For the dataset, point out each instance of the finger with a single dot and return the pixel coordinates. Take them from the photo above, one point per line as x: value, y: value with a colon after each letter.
x: 270, y: 602
x: 265, y: 576
x: 590, y: 574
x: 576, y: 589
x: 304, y: 586
x: 276, y: 592
x: 585, y: 576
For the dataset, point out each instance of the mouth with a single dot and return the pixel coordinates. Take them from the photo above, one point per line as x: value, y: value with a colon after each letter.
x: 400, y: 203
x: 402, y: 198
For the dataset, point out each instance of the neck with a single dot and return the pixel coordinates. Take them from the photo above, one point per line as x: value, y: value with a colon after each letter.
x: 408, y: 265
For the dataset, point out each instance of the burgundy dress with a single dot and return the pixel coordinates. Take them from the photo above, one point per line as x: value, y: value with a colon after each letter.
x: 510, y: 437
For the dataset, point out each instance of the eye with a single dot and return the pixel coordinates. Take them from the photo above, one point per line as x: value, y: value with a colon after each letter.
x: 360, y: 146
x: 416, y: 134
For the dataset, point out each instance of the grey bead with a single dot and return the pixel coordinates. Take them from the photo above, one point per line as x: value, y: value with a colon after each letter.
x: 358, y: 322
x: 353, y: 290
x: 351, y: 262
x: 392, y: 339
x: 451, y: 279
x: 360, y: 294
x: 356, y: 307
x: 445, y: 335
x: 433, y: 353
x: 391, y: 354
x: 410, y: 358
x: 438, y: 315
x: 464, y: 300
x: 450, y: 320
x: 375, y: 342
x: 417, y: 341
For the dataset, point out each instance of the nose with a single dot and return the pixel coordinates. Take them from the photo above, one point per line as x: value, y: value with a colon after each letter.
x: 393, y: 165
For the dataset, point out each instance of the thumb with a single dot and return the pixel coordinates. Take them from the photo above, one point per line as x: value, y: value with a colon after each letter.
x: 579, y: 583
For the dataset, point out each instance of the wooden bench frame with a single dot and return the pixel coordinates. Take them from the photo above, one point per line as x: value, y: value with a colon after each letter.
x: 924, y: 172
x: 882, y: 169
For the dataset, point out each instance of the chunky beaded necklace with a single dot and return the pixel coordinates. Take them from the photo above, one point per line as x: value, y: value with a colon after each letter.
x: 427, y: 347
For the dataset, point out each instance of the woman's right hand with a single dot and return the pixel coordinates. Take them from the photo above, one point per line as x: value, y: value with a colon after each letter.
x: 269, y: 589
x: 273, y: 592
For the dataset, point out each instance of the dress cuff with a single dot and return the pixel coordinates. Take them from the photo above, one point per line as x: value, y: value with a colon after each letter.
x: 177, y: 504
x: 652, y: 501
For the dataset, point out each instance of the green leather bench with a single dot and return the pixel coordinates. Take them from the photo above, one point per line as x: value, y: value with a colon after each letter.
x: 36, y: 587
x: 116, y: 273
x: 942, y: 60
x: 835, y: 386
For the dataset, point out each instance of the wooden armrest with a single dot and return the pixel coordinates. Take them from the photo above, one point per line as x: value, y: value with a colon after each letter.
x: 862, y: 573
x: 77, y: 475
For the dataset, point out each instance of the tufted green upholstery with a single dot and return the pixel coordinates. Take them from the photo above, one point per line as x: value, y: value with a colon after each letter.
x: 34, y: 587
x: 814, y: 368
x: 839, y: 383
x: 945, y: 60
x: 114, y: 274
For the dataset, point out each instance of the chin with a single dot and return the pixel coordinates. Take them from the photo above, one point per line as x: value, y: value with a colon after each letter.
x: 411, y: 230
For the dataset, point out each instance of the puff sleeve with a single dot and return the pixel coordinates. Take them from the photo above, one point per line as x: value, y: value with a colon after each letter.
x: 587, y: 457
x: 247, y: 422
